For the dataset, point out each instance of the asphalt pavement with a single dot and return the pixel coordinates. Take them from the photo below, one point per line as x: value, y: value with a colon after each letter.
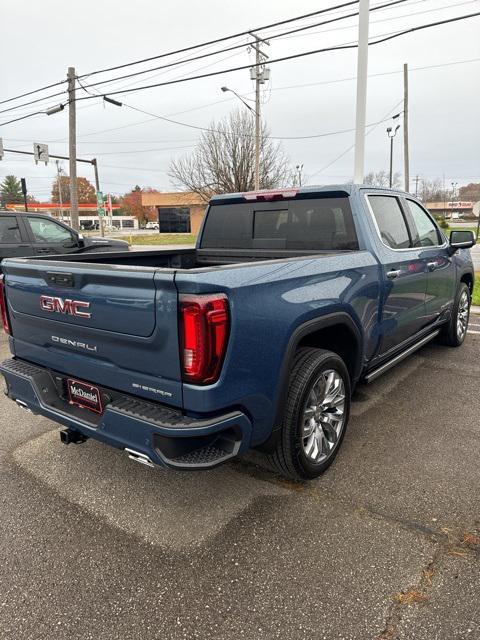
x: 386, y: 545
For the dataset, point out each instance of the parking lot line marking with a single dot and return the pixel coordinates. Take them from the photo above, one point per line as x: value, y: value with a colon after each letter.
x: 470, y: 331
x: 471, y: 324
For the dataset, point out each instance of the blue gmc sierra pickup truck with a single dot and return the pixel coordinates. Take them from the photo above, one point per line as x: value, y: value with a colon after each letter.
x: 255, y: 338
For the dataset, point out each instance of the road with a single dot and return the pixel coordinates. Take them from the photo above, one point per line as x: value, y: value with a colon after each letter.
x: 386, y: 545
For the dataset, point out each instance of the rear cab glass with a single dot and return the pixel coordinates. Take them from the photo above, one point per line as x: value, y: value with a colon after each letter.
x: 390, y: 221
x: 300, y: 224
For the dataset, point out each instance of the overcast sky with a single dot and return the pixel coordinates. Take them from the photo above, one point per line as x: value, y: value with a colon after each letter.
x: 307, y: 96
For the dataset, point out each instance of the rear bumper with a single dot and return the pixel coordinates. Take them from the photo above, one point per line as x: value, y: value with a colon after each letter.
x: 156, y: 432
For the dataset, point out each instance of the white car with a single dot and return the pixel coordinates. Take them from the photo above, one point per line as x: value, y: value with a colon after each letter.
x: 152, y: 225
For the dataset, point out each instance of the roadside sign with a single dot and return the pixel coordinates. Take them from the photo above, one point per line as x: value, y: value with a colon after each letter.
x: 100, y: 204
x: 1, y: 149
x: 40, y: 153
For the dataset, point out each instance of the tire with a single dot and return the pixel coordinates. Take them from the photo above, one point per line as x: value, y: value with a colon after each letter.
x: 454, y: 333
x: 312, y: 431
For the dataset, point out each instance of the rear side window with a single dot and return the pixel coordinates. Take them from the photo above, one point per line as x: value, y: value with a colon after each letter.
x: 9, y: 231
x: 390, y: 221
x: 303, y: 224
x: 424, y: 231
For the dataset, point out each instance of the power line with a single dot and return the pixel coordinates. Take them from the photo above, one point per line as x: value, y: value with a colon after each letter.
x: 372, y: 22
x: 291, y: 57
x: 282, y: 59
x: 222, y: 39
x: 27, y: 104
x: 238, y: 46
x: 201, y: 45
x: 210, y: 130
x: 29, y: 93
x: 29, y: 115
x: 387, y: 116
x: 281, y: 88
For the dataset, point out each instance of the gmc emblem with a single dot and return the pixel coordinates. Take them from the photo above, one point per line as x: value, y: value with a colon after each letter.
x: 69, y: 307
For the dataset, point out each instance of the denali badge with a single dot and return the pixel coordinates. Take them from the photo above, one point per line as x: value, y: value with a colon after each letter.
x: 67, y: 306
x: 75, y: 343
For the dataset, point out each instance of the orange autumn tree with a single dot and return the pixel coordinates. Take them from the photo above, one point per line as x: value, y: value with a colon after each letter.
x: 131, y: 205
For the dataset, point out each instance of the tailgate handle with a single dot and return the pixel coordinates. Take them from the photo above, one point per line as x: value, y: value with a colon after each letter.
x: 60, y: 279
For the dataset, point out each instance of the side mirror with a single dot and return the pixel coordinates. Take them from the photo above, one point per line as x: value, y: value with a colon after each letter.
x: 76, y: 241
x: 461, y: 240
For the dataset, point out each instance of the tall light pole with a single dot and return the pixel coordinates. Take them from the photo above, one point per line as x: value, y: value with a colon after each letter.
x: 391, y: 134
x: 454, y: 195
x: 406, y: 153
x: 362, y: 71
x: 299, y: 168
x: 256, y: 115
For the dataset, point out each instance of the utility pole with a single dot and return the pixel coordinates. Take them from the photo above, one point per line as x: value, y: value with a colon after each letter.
x: 406, y: 159
x: 59, y: 182
x: 257, y: 116
x: 97, y: 187
x: 362, y: 71
x: 24, y: 191
x: 417, y: 178
x: 72, y: 148
x: 258, y: 73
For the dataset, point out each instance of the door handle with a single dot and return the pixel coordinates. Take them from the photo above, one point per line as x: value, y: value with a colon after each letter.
x: 432, y: 265
x: 394, y: 273
x: 44, y: 250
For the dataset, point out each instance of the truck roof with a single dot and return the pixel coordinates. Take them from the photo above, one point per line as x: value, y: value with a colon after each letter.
x: 346, y: 188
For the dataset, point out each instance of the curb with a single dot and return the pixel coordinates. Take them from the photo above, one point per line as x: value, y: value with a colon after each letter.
x: 474, y: 309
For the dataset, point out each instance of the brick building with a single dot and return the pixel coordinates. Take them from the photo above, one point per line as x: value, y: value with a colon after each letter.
x: 180, y: 212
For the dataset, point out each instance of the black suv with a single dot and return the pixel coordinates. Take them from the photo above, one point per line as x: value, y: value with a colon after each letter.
x: 30, y: 234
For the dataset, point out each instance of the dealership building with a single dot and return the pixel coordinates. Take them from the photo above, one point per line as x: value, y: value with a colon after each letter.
x: 180, y: 212
x: 456, y: 209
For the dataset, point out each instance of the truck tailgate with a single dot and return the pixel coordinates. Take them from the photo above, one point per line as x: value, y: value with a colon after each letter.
x: 112, y: 325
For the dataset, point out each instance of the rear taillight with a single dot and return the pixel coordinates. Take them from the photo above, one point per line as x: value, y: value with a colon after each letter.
x: 204, y: 331
x: 3, y: 307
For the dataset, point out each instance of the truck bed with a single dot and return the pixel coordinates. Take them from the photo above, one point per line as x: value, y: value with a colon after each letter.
x: 181, y: 258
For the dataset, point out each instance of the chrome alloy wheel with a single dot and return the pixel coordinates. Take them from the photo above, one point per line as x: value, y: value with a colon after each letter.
x: 462, y: 315
x: 323, y: 416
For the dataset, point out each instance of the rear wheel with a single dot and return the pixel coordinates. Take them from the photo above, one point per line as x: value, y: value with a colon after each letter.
x: 454, y: 333
x: 315, y: 416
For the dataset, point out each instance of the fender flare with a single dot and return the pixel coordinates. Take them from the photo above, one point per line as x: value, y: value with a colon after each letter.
x: 300, y: 332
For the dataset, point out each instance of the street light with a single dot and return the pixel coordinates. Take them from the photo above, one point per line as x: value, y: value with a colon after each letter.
x: 391, y: 134
x: 454, y: 195
x: 299, y: 168
x: 257, y: 133
x: 225, y: 89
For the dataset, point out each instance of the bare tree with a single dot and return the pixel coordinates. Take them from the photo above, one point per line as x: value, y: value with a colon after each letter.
x: 434, y: 191
x: 382, y: 179
x: 224, y: 159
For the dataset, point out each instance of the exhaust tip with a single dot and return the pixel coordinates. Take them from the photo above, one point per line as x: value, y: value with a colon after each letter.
x: 23, y: 405
x: 142, y: 458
